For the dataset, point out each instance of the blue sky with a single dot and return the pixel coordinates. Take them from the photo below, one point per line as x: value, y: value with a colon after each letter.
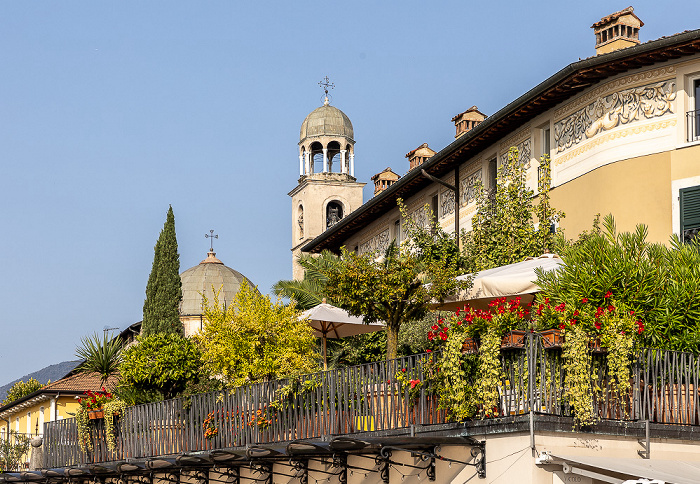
x: 110, y: 111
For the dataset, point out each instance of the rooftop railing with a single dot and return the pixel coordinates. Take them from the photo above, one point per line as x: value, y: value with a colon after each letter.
x: 374, y: 397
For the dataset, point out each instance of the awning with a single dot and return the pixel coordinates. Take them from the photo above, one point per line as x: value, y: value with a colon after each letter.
x: 668, y: 471
x: 511, y: 280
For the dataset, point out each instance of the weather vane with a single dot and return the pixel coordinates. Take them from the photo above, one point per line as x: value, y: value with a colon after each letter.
x: 211, y: 236
x: 326, y: 84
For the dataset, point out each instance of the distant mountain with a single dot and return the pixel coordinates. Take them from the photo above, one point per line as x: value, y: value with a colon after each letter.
x: 53, y: 373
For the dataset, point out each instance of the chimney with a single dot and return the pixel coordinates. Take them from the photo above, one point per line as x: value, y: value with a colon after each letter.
x: 419, y: 156
x: 617, y: 31
x: 384, y: 179
x: 467, y: 120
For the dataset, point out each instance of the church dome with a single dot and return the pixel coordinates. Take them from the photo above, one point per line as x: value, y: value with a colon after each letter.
x: 200, y: 279
x: 326, y: 121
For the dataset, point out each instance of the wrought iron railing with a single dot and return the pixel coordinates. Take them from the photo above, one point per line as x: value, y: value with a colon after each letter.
x: 664, y: 389
x: 693, y: 125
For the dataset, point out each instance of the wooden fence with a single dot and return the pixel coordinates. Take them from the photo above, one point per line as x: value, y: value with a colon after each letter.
x: 374, y: 397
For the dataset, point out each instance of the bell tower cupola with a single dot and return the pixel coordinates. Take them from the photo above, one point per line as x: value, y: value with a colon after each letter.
x: 327, y: 189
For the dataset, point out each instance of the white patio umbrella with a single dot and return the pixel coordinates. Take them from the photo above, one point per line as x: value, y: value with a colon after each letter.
x: 510, y: 280
x: 330, y: 321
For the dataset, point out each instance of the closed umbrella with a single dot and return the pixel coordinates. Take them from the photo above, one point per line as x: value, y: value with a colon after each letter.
x: 329, y: 321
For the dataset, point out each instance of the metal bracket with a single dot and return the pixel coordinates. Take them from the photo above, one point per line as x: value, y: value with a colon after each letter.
x: 382, y: 460
x: 645, y: 453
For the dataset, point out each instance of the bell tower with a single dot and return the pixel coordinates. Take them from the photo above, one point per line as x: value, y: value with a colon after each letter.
x: 327, y: 190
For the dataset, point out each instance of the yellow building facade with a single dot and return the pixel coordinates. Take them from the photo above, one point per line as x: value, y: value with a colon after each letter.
x: 622, y: 130
x: 55, y: 401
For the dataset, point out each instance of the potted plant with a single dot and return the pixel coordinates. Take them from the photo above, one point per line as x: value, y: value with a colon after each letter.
x: 610, y: 329
x: 95, y: 406
x: 491, y: 328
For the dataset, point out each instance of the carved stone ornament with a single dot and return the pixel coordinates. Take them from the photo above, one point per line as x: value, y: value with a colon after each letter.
x: 300, y: 221
x: 469, y: 186
x: 524, y: 154
x: 379, y: 243
x: 618, y: 108
x: 447, y: 202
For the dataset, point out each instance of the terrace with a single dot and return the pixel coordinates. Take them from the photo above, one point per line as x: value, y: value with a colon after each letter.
x: 372, y: 407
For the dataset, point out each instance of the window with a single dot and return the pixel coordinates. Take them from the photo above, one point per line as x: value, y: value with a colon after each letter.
x: 397, y: 232
x: 493, y: 173
x: 334, y: 212
x: 546, y: 148
x: 693, y: 115
x: 434, y: 208
x: 690, y: 213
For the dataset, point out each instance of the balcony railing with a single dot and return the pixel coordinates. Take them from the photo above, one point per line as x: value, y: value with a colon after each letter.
x: 366, y: 398
x: 693, y: 124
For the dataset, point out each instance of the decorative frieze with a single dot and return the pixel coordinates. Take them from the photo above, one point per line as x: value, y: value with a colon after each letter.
x: 615, y: 85
x: 619, y: 108
x: 379, y: 243
x: 524, y: 154
x: 469, y: 186
x: 447, y: 202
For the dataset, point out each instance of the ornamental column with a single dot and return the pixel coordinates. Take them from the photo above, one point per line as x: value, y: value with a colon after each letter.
x: 325, y: 160
x: 352, y: 164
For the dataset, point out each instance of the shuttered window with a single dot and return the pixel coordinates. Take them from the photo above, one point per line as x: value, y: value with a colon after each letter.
x: 690, y: 212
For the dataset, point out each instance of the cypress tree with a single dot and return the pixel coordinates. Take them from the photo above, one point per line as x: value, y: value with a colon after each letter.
x: 161, y: 309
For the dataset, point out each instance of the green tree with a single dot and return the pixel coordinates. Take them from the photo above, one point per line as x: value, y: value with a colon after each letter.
x: 311, y: 290
x: 396, y: 289
x: 13, y: 447
x: 161, y: 362
x: 253, y: 339
x: 101, y: 355
x: 22, y: 389
x: 659, y: 283
x: 164, y: 288
x: 504, y: 229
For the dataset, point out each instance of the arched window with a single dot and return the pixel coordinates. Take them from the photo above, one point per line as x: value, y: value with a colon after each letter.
x: 334, y: 212
x: 316, y: 157
x: 300, y: 221
x: 334, y: 157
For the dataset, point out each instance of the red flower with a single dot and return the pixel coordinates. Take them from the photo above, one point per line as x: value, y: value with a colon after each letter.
x: 434, y: 327
x: 597, y: 325
x: 584, y: 300
x: 457, y: 312
x: 560, y: 308
x: 428, y: 351
x: 403, y: 370
x: 611, y: 308
x: 561, y: 326
x: 608, y: 294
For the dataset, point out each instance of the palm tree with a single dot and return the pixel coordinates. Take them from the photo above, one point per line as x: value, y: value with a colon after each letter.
x: 311, y: 290
x: 100, y: 355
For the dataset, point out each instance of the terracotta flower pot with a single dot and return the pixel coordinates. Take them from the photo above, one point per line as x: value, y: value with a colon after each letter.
x: 470, y: 346
x: 96, y: 414
x: 552, y: 338
x: 513, y: 339
x: 595, y: 346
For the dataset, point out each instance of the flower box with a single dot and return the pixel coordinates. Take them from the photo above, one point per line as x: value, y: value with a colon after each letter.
x: 595, y: 347
x: 513, y: 339
x: 552, y: 338
x: 96, y: 414
x: 470, y: 346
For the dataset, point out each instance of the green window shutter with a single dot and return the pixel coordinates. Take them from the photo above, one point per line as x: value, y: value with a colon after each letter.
x: 690, y: 212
